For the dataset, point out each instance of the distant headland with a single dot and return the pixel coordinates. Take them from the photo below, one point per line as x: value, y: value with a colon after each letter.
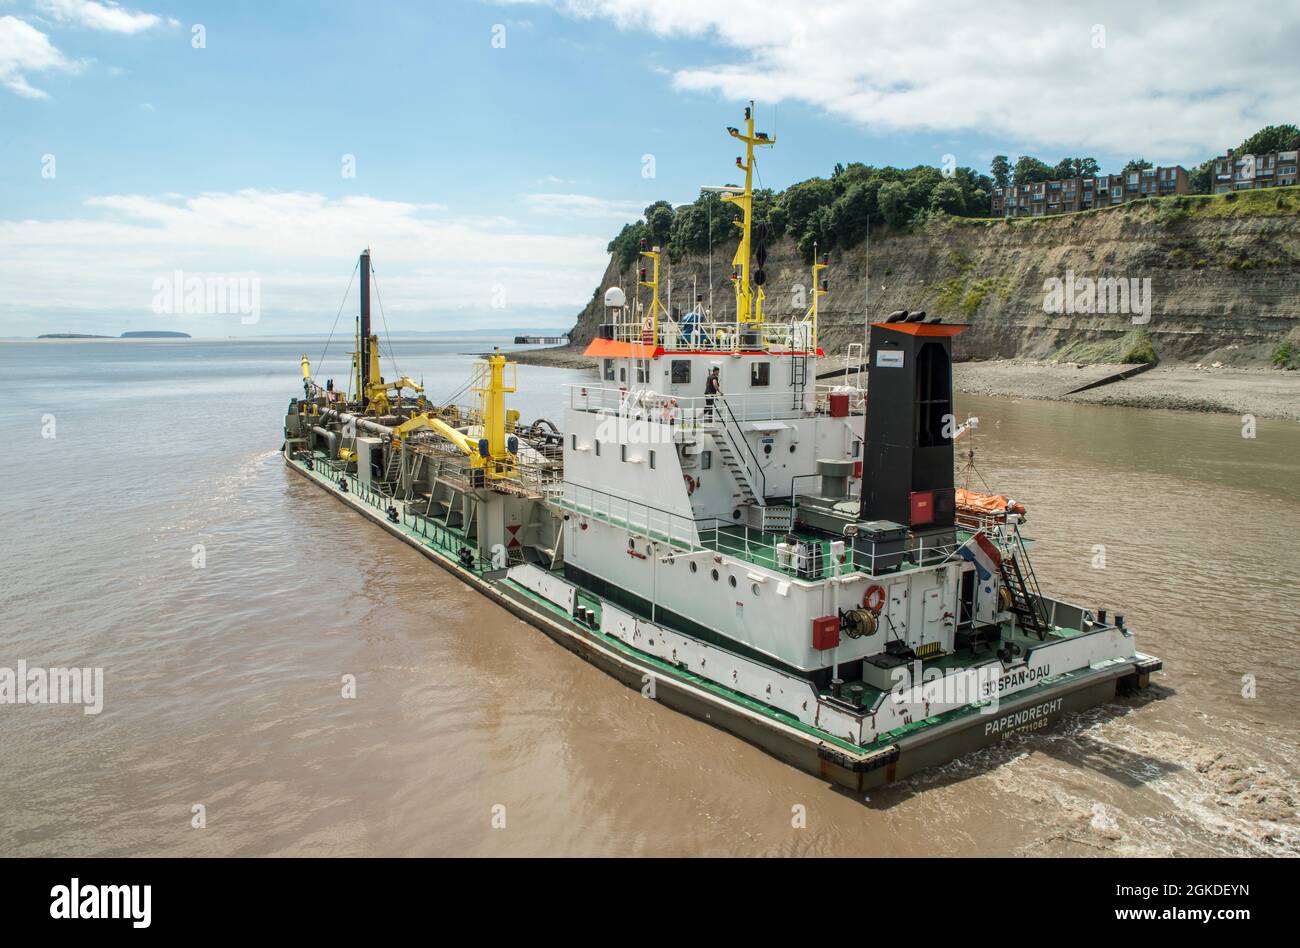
x: 143, y: 334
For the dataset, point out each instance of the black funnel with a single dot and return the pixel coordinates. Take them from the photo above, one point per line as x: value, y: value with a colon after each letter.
x: 908, y: 455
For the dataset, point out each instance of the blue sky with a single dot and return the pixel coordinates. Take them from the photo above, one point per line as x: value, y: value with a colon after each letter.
x: 489, y: 177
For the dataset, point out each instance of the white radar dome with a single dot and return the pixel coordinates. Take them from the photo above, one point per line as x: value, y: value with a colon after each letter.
x: 615, y: 297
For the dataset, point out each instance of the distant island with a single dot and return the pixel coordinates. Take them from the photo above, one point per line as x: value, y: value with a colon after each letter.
x: 143, y: 334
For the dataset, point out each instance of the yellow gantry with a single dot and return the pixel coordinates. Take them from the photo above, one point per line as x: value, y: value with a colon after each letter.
x: 749, y: 301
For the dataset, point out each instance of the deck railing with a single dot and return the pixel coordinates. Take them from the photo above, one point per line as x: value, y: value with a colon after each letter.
x: 687, y: 411
x: 801, y: 554
x: 693, y: 332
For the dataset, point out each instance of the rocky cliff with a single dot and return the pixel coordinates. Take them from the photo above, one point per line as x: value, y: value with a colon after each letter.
x: 1223, y: 272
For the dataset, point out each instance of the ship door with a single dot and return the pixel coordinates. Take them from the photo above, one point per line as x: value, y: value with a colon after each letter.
x: 966, y: 602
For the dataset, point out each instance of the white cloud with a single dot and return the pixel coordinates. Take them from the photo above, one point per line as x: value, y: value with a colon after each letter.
x: 582, y: 205
x: 108, y: 16
x: 436, y: 271
x: 1177, y: 86
x: 25, y: 49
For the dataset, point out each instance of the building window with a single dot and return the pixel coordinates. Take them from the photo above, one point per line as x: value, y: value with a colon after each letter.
x: 760, y: 374
x: 681, y: 372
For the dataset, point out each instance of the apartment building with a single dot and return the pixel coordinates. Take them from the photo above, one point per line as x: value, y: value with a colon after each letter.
x: 1041, y: 198
x: 1244, y: 172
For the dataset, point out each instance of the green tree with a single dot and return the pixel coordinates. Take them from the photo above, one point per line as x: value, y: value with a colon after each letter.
x: 690, y: 232
x: 851, y: 214
x: 1271, y: 138
x: 949, y: 197
x: 893, y: 203
x: 627, y: 245
x: 802, y: 200
x: 1200, y: 180
x: 1029, y: 169
x: 1076, y: 168
x: 1137, y: 164
x: 659, y: 219
x: 1000, y: 169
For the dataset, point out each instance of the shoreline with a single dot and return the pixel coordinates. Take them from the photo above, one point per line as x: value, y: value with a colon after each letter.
x: 1263, y: 392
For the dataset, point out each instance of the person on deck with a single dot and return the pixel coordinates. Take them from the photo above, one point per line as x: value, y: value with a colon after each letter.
x: 712, y: 387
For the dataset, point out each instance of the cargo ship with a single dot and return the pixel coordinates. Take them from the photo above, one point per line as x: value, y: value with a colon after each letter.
x: 784, y: 558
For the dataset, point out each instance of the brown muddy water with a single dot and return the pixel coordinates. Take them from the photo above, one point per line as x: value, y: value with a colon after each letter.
x: 223, y: 684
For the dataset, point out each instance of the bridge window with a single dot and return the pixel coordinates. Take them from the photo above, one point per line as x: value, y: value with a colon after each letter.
x: 681, y: 372
x: 760, y: 374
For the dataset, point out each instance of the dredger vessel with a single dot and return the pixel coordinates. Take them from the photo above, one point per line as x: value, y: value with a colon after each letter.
x: 787, y: 560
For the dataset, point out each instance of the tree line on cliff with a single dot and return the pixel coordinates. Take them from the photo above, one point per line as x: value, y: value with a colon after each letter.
x: 836, y: 212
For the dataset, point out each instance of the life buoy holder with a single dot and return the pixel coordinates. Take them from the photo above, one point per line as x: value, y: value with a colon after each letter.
x: 874, y: 599
x: 691, y: 484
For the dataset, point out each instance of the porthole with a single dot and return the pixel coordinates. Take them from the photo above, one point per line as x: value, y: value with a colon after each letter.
x: 754, y: 589
x: 631, y: 544
x: 695, y: 567
x: 732, y: 580
x: 714, y: 574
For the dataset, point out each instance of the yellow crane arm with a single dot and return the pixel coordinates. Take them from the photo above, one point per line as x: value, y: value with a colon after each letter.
x: 460, y: 439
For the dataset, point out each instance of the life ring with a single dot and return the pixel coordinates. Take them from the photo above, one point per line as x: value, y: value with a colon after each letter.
x: 691, y: 484
x: 874, y: 599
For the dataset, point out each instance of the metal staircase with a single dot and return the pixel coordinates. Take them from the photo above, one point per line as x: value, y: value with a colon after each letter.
x: 730, y: 441
x: 727, y: 455
x: 1026, y: 597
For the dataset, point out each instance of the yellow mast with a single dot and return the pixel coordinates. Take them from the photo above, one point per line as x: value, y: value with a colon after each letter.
x: 653, y: 283
x: 820, y: 289
x: 491, y: 387
x: 749, y: 303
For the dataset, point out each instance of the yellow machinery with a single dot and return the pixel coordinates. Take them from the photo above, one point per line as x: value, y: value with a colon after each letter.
x: 490, y: 386
x: 492, y: 453
x: 820, y: 289
x: 650, y: 330
x: 379, y: 395
x: 749, y: 303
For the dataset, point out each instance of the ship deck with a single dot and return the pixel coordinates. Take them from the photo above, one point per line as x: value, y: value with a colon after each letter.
x: 445, y: 543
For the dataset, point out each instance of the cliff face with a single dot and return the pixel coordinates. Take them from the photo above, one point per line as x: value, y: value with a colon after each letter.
x: 1220, y: 274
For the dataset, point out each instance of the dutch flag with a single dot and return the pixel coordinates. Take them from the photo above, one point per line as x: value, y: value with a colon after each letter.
x: 980, y: 550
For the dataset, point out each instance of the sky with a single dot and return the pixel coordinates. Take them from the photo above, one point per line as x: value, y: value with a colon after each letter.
x: 216, y: 167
